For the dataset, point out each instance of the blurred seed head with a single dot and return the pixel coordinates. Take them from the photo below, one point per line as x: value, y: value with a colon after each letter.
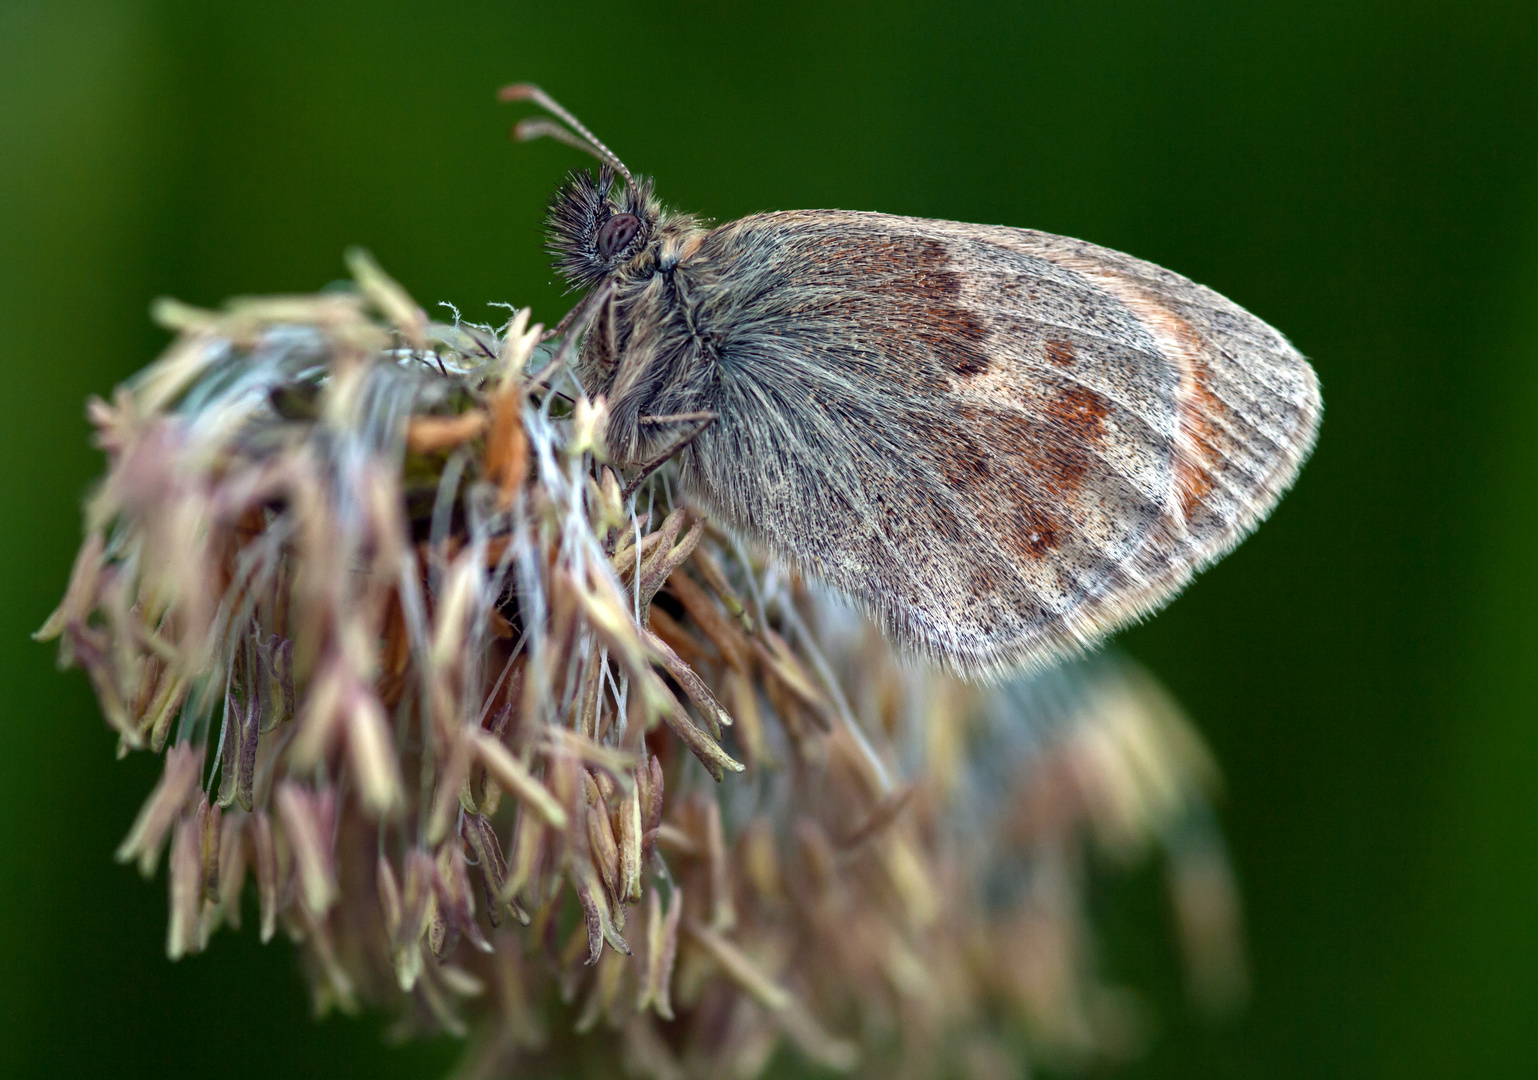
x: 578, y: 778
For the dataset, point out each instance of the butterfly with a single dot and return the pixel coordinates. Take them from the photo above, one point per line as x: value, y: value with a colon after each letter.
x: 1003, y: 444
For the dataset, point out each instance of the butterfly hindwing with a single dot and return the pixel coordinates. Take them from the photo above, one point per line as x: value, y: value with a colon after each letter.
x: 1004, y: 443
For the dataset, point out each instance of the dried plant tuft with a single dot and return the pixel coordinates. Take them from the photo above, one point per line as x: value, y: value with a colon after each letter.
x: 574, y: 775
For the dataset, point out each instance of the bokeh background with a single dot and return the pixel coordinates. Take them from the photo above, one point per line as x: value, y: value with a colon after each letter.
x: 1364, y: 176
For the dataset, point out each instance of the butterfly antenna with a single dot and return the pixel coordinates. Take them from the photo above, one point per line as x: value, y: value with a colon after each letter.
x: 539, y: 127
x: 575, y: 133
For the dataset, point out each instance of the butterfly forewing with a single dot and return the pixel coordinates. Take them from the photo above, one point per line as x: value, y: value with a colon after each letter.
x: 1004, y: 443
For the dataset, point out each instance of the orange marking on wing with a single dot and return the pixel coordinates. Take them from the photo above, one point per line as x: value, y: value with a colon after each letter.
x: 1195, y: 478
x: 1017, y: 474
x: 1056, y: 447
x: 1079, y: 413
x: 1037, y: 534
x: 1198, y: 437
x: 1198, y: 408
x: 1060, y: 353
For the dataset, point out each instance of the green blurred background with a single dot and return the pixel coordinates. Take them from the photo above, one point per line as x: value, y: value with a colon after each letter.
x: 1364, y: 176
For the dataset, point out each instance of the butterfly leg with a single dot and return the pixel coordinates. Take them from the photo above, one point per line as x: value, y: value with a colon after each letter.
x: 701, y: 421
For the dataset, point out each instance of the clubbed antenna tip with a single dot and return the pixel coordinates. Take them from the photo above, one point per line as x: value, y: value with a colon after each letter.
x: 574, y: 133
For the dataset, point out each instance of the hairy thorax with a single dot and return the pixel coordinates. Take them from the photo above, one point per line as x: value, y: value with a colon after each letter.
x: 648, y: 352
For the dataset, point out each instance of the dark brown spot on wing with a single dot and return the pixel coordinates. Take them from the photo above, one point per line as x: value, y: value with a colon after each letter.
x: 1036, y: 534
x: 1060, y: 353
x: 1069, y: 439
x: 904, y: 288
x: 1079, y: 414
x: 1013, y: 474
x: 962, y: 456
x: 1053, y: 447
x: 950, y: 330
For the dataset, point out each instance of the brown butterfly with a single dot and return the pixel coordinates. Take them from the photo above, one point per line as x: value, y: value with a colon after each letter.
x: 1004, y: 444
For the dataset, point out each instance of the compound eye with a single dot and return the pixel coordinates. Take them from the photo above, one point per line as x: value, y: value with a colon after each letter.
x: 616, y: 234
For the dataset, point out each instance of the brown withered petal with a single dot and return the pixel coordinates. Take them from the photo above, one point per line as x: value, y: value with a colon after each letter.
x: 439, y: 1005
x: 603, y: 993
x: 518, y: 1019
x: 307, y: 823
x: 455, y: 900
x: 741, y: 969
x: 661, y: 949
x: 608, y: 615
x: 232, y: 867
x: 654, y: 793
x: 419, y: 910
x: 675, y: 839
x: 616, y: 766
x: 372, y: 755
x: 186, y: 889
x: 460, y: 982
x: 528, y: 849
x: 715, y: 716
x: 723, y: 912
x: 596, y: 911
x: 392, y: 300
x: 603, y: 848
x: 506, y: 447
x: 668, y: 555
x: 514, y: 776
x: 435, y: 434
x: 209, y: 831
x: 335, y: 988
x: 627, y: 828
x: 781, y: 663
x: 690, y: 649
x: 1208, y: 918
x: 265, y: 860
x: 482, y: 840
x: 79, y: 597
x: 715, y: 577
x: 389, y: 897
x: 716, y: 760
x: 452, y: 782
x: 726, y: 634
x: 320, y: 723
x: 171, y: 694
x: 742, y: 692
x: 883, y: 814
x: 177, y: 783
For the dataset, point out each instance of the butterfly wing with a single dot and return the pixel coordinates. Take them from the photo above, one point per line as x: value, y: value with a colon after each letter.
x: 1005, y: 444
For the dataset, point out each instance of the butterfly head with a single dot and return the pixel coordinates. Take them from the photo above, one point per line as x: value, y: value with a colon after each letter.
x: 597, y: 228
